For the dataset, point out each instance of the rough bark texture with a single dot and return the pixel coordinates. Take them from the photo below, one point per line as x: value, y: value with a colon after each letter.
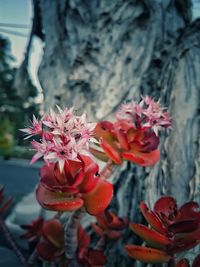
x: 99, y: 53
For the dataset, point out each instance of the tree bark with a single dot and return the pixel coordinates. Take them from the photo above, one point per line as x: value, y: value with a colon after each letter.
x: 100, y: 53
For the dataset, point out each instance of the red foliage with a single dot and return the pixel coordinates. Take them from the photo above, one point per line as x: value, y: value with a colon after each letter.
x: 108, y: 224
x: 121, y: 141
x: 78, y: 185
x: 172, y: 230
x: 86, y: 256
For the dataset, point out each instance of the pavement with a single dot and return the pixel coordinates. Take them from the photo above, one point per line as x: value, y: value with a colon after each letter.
x: 18, y: 177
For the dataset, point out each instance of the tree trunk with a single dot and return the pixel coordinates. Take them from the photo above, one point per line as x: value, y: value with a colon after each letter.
x: 100, y: 53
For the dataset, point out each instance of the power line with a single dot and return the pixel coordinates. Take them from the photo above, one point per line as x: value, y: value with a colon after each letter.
x: 20, y: 34
x: 15, y: 25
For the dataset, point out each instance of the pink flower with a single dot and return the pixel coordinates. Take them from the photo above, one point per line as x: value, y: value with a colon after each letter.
x: 35, y: 129
x: 62, y: 136
x: 146, y: 114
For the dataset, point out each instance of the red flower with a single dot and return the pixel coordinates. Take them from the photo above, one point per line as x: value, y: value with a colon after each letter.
x: 78, y: 185
x: 173, y: 230
x: 108, y: 224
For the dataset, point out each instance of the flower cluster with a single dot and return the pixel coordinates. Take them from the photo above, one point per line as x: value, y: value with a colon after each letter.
x: 173, y: 230
x: 70, y: 179
x: 134, y: 134
x: 147, y: 114
x: 62, y: 136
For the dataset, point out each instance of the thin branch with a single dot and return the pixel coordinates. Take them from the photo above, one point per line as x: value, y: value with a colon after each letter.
x: 11, y: 241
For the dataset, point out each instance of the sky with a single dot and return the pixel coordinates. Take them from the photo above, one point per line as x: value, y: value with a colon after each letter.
x: 20, y: 12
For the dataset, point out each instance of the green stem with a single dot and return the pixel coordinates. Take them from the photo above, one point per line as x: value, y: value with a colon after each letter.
x: 71, y: 242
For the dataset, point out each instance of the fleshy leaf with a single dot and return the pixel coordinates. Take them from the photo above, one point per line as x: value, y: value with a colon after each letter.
x: 98, y: 154
x: 189, y: 210
x: 142, y: 159
x: 166, y: 208
x: 184, y: 226
x: 152, y: 219
x: 147, y: 255
x: 57, y: 201
x: 53, y: 231
x: 6, y: 205
x: 196, y: 262
x: 99, y: 198
x: 96, y: 258
x: 183, y: 263
x: 111, y: 152
x: 46, y: 250
x: 152, y: 237
x: 122, y: 138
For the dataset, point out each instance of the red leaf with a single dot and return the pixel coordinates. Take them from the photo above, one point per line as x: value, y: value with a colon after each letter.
x: 103, y: 130
x: 184, y: 226
x: 90, y: 180
x: 98, y: 230
x: 57, y: 201
x: 99, y: 198
x: 122, y: 138
x: 46, y: 250
x: 166, y: 208
x: 152, y: 237
x: 53, y: 231
x: 142, y: 159
x: 96, y: 258
x: 152, y: 219
x: 98, y: 154
x: 147, y: 255
x: 183, y: 263
x: 111, y: 152
x: 182, y: 247
x: 114, y: 234
x: 196, y: 262
x: 189, y: 210
x: 6, y: 205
